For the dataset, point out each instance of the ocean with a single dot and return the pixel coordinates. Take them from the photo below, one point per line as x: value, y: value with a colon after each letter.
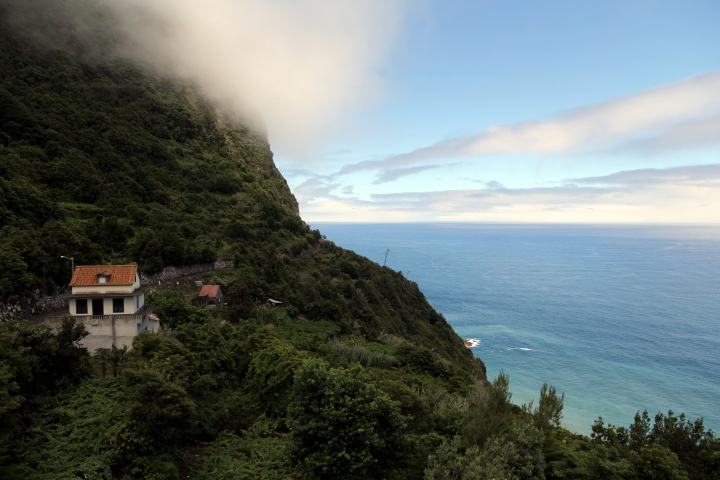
x: 619, y: 318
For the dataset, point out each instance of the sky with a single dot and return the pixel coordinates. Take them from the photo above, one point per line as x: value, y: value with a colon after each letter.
x: 524, y: 111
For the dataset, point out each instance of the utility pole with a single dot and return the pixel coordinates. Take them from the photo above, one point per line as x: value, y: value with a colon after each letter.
x: 72, y: 264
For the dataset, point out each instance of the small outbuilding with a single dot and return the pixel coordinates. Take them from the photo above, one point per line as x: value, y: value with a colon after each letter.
x: 211, y: 296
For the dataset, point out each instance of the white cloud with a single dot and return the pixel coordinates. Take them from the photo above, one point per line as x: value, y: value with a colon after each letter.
x: 300, y: 63
x: 679, y: 115
x: 708, y: 175
x: 673, y: 195
x: 689, y: 134
x: 314, y: 189
x: 393, y: 174
x: 603, y: 125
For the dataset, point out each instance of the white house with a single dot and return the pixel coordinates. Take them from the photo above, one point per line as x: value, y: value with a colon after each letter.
x: 108, y: 301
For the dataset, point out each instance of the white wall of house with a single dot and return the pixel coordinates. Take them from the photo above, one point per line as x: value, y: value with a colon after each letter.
x: 103, y: 290
x: 131, y: 305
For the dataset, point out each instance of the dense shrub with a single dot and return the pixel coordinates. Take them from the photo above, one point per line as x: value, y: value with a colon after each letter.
x: 361, y: 355
x: 342, y: 426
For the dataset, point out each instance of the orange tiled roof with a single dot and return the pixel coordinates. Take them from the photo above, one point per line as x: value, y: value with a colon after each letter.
x: 210, y: 291
x: 87, y: 275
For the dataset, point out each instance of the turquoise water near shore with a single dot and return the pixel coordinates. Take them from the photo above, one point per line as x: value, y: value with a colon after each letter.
x: 620, y: 318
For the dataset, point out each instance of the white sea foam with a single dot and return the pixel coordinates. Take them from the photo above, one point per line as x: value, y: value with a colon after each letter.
x: 472, y: 342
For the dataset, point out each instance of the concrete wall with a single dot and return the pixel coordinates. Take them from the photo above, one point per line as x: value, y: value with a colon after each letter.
x: 103, y: 331
x: 108, y: 331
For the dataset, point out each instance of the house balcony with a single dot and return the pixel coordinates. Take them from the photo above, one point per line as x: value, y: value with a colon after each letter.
x: 140, y: 317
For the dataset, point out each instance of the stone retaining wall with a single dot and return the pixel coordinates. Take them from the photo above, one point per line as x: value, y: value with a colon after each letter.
x: 31, y: 303
x: 173, y: 272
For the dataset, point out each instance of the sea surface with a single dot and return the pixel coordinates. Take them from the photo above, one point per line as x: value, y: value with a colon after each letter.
x: 619, y: 318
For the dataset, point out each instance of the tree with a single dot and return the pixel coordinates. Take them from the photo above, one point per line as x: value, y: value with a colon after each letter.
x: 489, y: 413
x: 342, y: 425
x: 516, y: 455
x: 450, y: 462
x: 114, y: 355
x: 271, y: 371
x: 72, y: 360
x: 158, y: 413
x: 43, y: 361
x: 13, y: 270
x: 240, y: 303
x: 549, y: 410
x: 698, y: 449
x: 673, y: 448
x: 172, y: 309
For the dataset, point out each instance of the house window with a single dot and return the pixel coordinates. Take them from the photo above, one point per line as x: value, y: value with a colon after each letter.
x: 118, y: 305
x: 80, y: 306
x: 102, y: 279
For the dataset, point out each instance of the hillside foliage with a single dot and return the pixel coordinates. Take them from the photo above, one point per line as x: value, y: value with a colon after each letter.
x: 356, y: 376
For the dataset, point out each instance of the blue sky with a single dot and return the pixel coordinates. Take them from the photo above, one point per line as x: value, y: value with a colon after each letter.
x: 526, y: 111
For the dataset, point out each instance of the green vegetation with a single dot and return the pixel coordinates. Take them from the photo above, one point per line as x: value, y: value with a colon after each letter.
x: 341, y: 424
x: 356, y: 377
x: 211, y: 398
x: 362, y: 355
